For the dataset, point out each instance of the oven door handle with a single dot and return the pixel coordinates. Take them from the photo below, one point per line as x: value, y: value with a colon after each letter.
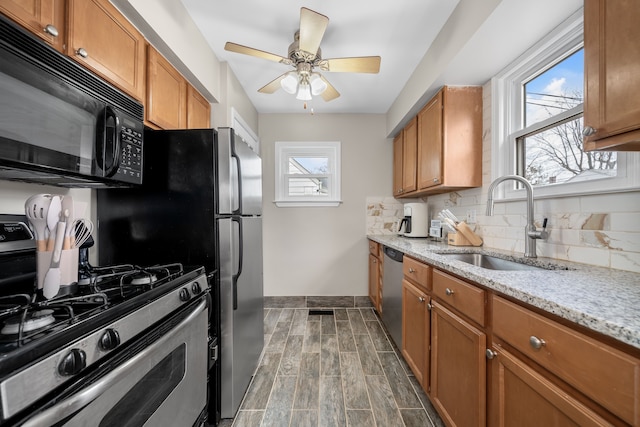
x: 75, y: 403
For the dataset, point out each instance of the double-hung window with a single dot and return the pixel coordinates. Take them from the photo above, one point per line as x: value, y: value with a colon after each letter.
x: 307, y: 173
x: 537, y: 108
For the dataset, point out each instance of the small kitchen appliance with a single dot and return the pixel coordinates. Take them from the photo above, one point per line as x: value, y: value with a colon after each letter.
x: 416, y: 220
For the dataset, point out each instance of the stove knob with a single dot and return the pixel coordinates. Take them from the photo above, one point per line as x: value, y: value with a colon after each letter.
x: 74, y: 362
x: 184, y: 294
x: 109, y: 340
x: 195, y: 288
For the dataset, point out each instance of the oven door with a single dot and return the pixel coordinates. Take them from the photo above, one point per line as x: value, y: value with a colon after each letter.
x: 156, y: 382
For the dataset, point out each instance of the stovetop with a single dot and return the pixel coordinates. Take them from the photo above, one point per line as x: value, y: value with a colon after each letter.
x: 30, y: 328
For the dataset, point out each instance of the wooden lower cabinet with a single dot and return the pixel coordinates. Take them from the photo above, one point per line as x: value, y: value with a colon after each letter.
x: 416, y: 331
x: 458, y: 369
x: 523, y: 397
x: 375, y: 275
x: 374, y: 280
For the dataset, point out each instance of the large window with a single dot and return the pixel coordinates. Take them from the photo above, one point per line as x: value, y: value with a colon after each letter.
x: 307, y: 173
x: 537, y: 118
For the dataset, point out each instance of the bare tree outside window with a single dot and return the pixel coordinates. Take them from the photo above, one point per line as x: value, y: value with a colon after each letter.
x: 554, y: 153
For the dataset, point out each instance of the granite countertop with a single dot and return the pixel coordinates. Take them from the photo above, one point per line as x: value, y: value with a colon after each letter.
x: 601, y: 299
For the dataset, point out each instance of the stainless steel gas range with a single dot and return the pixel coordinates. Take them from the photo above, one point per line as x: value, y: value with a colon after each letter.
x: 129, y: 348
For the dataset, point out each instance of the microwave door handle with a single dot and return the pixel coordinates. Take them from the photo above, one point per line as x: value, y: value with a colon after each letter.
x: 235, y: 277
x: 115, y: 145
x: 77, y: 402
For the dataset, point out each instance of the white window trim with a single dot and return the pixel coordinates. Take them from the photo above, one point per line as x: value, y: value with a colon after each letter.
x: 284, y: 149
x: 506, y: 91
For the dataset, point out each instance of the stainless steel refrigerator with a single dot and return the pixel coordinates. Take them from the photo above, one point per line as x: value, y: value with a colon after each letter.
x: 200, y: 204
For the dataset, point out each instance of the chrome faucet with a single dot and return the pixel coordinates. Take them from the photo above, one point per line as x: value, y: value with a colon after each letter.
x: 530, y: 231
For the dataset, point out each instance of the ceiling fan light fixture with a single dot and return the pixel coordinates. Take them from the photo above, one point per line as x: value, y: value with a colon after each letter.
x: 318, y: 85
x: 304, y: 92
x: 290, y: 83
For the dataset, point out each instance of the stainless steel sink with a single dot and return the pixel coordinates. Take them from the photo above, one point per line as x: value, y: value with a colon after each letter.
x: 490, y: 262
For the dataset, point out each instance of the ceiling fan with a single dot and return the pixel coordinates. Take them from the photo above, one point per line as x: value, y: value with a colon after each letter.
x: 305, y: 56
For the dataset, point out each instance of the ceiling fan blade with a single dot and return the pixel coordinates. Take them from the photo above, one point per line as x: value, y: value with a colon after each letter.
x: 362, y: 64
x: 238, y: 48
x: 273, y: 85
x: 330, y: 92
x: 312, y: 28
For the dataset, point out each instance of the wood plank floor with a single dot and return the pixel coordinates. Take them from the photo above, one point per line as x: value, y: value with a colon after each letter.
x: 331, y: 370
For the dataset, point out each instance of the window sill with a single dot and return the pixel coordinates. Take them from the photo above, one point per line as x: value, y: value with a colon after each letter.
x: 307, y: 203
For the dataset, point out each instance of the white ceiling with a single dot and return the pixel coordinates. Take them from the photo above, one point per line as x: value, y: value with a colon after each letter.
x: 400, y: 32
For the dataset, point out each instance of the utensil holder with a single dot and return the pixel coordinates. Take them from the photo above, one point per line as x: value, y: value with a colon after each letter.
x: 68, y: 270
x: 457, y: 239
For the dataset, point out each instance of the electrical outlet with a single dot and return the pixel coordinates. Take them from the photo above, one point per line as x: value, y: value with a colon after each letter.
x: 471, y: 216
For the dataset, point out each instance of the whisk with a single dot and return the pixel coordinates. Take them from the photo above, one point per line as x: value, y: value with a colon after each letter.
x: 83, y: 229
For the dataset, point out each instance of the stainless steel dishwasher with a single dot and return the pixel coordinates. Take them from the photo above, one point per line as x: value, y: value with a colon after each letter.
x: 392, y: 293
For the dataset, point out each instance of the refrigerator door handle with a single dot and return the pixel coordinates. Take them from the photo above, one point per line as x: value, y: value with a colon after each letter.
x: 238, y: 182
x: 235, y: 277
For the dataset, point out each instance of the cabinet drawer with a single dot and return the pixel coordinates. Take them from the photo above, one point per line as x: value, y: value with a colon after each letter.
x: 464, y: 297
x: 374, y: 248
x: 417, y: 272
x: 608, y: 376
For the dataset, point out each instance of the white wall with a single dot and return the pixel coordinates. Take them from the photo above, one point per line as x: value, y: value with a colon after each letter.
x: 323, y: 251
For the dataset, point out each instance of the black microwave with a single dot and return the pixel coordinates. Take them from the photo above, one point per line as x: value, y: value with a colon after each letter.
x: 59, y: 123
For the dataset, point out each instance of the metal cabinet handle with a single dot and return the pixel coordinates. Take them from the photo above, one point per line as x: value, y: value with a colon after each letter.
x: 82, y: 52
x: 429, y: 306
x: 375, y: 261
x: 435, y: 180
x: 449, y: 291
x: 51, y: 30
x: 491, y: 354
x: 411, y: 270
x: 588, y: 131
x: 421, y: 299
x: 536, y: 343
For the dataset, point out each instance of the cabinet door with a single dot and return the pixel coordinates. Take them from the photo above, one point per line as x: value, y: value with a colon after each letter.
x: 44, y: 18
x: 103, y: 40
x: 612, y: 73
x: 458, y: 369
x: 198, y: 110
x: 166, y: 93
x: 374, y: 280
x: 397, y: 165
x: 430, y: 144
x: 524, y: 398
x: 416, y: 331
x: 410, y: 156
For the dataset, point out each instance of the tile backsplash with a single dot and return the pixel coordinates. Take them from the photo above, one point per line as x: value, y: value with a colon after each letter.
x: 383, y: 214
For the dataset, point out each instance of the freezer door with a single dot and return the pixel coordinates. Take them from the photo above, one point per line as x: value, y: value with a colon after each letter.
x: 241, y: 307
x: 240, y: 176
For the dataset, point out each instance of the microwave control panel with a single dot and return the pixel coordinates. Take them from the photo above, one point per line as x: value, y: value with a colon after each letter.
x: 130, y: 169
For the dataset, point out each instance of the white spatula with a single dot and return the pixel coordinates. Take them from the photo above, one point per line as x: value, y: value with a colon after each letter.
x: 52, y: 279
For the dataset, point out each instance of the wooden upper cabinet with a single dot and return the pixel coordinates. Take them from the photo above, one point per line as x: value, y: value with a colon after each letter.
x: 44, y: 18
x: 100, y: 38
x: 430, y: 143
x: 450, y: 141
x: 612, y: 75
x: 166, y: 93
x: 198, y: 110
x: 397, y: 165
x: 405, y: 151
